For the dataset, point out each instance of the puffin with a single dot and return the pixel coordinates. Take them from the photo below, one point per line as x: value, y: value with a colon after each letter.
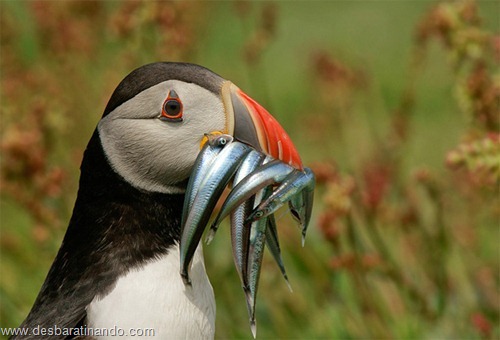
x: 118, y: 264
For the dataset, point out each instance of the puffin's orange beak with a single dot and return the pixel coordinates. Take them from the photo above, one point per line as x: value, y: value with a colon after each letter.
x: 250, y: 123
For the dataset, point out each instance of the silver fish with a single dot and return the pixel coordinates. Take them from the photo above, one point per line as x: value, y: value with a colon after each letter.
x: 263, y: 231
x: 297, y: 208
x: 248, y: 165
x: 206, y: 157
x: 287, y: 189
x: 272, y: 243
x: 296, y: 184
x: 308, y: 198
x: 240, y: 238
x: 255, y: 256
x: 270, y: 173
x: 209, y: 192
x: 291, y: 186
x: 240, y: 231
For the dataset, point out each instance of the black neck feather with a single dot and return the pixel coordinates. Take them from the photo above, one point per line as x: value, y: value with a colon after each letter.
x: 114, y: 227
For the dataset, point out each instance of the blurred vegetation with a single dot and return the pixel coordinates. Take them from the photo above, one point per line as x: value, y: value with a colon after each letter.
x: 395, y: 105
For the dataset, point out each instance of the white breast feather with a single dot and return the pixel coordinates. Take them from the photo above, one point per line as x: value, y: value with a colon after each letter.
x: 154, y: 296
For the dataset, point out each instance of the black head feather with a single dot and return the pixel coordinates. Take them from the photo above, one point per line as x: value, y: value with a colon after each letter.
x: 149, y: 75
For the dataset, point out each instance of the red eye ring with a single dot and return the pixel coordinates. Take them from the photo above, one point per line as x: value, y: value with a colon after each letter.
x: 172, y: 108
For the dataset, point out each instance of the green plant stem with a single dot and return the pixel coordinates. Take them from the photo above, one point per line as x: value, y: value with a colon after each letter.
x: 368, y: 300
x: 393, y: 270
x: 439, y: 249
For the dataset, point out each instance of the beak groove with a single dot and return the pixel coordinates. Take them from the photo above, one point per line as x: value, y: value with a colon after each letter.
x: 254, y: 125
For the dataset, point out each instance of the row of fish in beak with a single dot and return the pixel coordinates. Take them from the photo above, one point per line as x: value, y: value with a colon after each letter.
x: 260, y: 186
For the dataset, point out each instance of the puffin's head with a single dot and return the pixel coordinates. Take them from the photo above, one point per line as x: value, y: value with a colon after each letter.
x: 156, y: 120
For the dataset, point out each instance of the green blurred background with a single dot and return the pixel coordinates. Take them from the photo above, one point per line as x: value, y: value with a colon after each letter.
x: 394, y: 104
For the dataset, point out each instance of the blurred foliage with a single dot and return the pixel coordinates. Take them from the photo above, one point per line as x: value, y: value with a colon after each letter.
x: 395, y: 105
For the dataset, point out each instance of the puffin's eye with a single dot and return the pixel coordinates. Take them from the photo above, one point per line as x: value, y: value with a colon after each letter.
x: 172, y: 108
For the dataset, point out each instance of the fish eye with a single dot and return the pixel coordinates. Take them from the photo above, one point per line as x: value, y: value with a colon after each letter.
x: 223, y: 140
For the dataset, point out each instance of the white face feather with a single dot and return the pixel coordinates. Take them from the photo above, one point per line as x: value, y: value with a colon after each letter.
x: 152, y: 154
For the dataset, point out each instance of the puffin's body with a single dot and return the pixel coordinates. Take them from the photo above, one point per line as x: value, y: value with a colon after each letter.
x: 118, y: 265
